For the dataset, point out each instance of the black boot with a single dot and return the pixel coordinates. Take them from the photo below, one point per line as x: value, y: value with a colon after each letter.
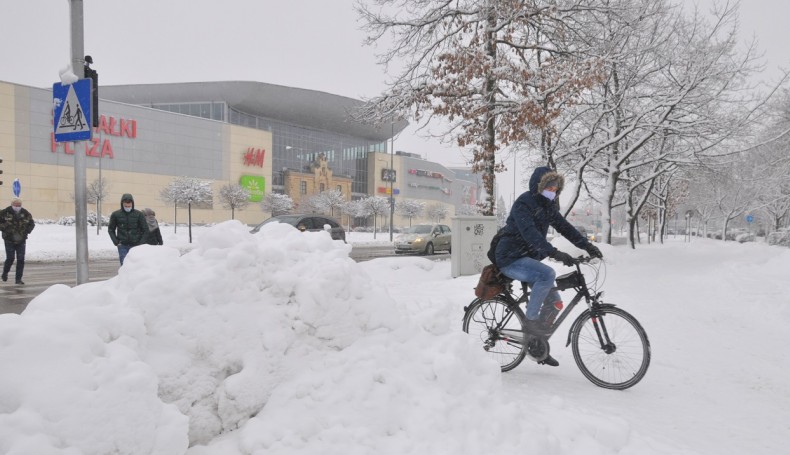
x: 550, y: 361
x: 536, y: 327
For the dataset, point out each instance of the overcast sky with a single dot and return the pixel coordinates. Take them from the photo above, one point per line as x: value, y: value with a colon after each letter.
x: 312, y: 44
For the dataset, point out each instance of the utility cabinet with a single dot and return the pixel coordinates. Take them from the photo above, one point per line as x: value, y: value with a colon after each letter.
x: 471, y: 238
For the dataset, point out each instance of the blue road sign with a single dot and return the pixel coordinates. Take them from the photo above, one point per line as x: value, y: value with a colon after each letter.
x: 72, y: 113
x: 749, y: 218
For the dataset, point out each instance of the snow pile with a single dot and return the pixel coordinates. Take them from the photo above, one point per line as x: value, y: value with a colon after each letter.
x: 268, y: 343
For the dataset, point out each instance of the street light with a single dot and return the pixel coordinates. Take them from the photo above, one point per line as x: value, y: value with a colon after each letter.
x: 388, y: 175
x: 392, y: 176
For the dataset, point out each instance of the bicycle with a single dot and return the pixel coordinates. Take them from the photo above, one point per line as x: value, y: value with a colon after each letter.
x: 609, y: 345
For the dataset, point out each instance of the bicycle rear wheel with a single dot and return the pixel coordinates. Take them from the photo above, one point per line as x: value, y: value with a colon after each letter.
x: 619, y: 357
x: 500, y: 329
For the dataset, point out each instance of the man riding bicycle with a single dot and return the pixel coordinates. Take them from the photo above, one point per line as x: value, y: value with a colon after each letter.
x: 523, y: 245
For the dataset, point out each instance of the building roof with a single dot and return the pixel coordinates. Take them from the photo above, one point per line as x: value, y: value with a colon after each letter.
x: 308, y: 108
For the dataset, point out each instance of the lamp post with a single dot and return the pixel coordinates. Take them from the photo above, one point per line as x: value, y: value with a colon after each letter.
x: 392, y: 177
x: 388, y: 175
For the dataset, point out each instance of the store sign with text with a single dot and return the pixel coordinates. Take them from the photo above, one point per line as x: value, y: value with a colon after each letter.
x: 100, y: 145
x: 254, y: 157
x: 256, y: 185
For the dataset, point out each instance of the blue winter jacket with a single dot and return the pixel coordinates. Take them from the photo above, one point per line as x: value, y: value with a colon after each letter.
x: 526, y: 227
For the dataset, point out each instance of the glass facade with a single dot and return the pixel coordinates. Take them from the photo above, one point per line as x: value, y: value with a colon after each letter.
x: 296, y: 147
x: 213, y: 111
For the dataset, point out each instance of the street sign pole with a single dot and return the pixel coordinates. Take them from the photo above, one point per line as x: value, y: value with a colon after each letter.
x: 80, y: 199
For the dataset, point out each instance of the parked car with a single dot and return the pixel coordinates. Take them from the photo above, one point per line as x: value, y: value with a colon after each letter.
x: 311, y: 222
x: 424, y: 238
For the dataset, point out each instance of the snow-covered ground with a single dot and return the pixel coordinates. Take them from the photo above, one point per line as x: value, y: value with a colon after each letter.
x: 278, y: 343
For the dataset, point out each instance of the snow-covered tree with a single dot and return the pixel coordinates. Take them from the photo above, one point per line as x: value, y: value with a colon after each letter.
x: 96, y: 194
x: 190, y: 191
x: 327, y: 201
x: 410, y: 208
x: 376, y: 205
x: 277, y: 204
x: 501, y: 212
x: 169, y: 195
x: 437, y: 211
x: 234, y: 196
x: 354, y: 209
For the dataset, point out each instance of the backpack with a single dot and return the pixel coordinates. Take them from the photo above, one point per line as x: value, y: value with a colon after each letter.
x: 491, y: 283
x: 494, y: 242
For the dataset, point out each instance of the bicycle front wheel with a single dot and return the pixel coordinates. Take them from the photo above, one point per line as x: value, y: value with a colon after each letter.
x: 500, y: 329
x: 610, y: 347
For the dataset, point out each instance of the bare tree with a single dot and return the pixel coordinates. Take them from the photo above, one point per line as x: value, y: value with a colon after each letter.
x: 234, y: 196
x: 676, y: 92
x: 493, y: 69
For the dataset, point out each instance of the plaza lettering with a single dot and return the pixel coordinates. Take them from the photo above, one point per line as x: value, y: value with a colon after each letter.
x: 108, y: 126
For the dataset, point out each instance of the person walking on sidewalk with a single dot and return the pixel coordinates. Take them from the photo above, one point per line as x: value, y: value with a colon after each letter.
x: 154, y: 235
x: 16, y: 223
x: 127, y: 227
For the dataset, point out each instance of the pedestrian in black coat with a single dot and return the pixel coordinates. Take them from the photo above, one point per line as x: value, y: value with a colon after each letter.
x: 16, y: 223
x: 154, y: 235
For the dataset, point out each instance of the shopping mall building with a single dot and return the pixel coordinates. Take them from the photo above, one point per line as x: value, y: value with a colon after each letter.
x: 268, y: 138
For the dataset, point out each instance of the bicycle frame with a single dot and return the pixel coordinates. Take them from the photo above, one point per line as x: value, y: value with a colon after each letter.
x: 582, y: 291
x: 616, y: 362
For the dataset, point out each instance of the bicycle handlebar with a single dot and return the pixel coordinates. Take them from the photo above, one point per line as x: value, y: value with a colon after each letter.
x: 585, y: 259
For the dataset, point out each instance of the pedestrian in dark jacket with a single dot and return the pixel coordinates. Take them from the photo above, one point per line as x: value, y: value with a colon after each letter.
x: 523, y: 245
x: 127, y: 227
x: 16, y: 224
x: 154, y: 236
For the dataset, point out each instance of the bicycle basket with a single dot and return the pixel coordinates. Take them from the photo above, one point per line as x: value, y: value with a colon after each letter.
x: 569, y: 280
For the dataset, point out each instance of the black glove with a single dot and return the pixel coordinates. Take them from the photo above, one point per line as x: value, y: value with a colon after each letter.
x: 593, y: 251
x: 565, y: 258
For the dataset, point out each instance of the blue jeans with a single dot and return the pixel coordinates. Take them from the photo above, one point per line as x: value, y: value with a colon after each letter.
x: 123, y: 250
x: 540, y: 276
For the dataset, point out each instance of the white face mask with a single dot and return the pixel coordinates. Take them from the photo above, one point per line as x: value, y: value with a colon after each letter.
x: 16, y: 209
x: 550, y: 195
x: 127, y: 209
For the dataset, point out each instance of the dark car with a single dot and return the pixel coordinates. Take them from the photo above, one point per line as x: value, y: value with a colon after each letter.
x: 312, y: 223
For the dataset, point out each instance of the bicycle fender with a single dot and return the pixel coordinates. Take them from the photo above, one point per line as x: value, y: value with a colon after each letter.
x: 581, y: 318
x: 466, y: 308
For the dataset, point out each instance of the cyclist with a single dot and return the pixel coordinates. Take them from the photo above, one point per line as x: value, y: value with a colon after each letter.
x: 523, y: 245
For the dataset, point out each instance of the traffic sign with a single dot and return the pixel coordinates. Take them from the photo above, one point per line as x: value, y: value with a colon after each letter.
x: 72, y: 113
x: 749, y: 218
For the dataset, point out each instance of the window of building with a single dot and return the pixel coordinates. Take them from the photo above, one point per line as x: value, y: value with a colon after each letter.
x: 340, y: 189
x: 303, y: 187
x: 321, y: 187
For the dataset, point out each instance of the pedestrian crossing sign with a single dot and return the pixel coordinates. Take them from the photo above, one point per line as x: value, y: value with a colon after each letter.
x: 72, y: 111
